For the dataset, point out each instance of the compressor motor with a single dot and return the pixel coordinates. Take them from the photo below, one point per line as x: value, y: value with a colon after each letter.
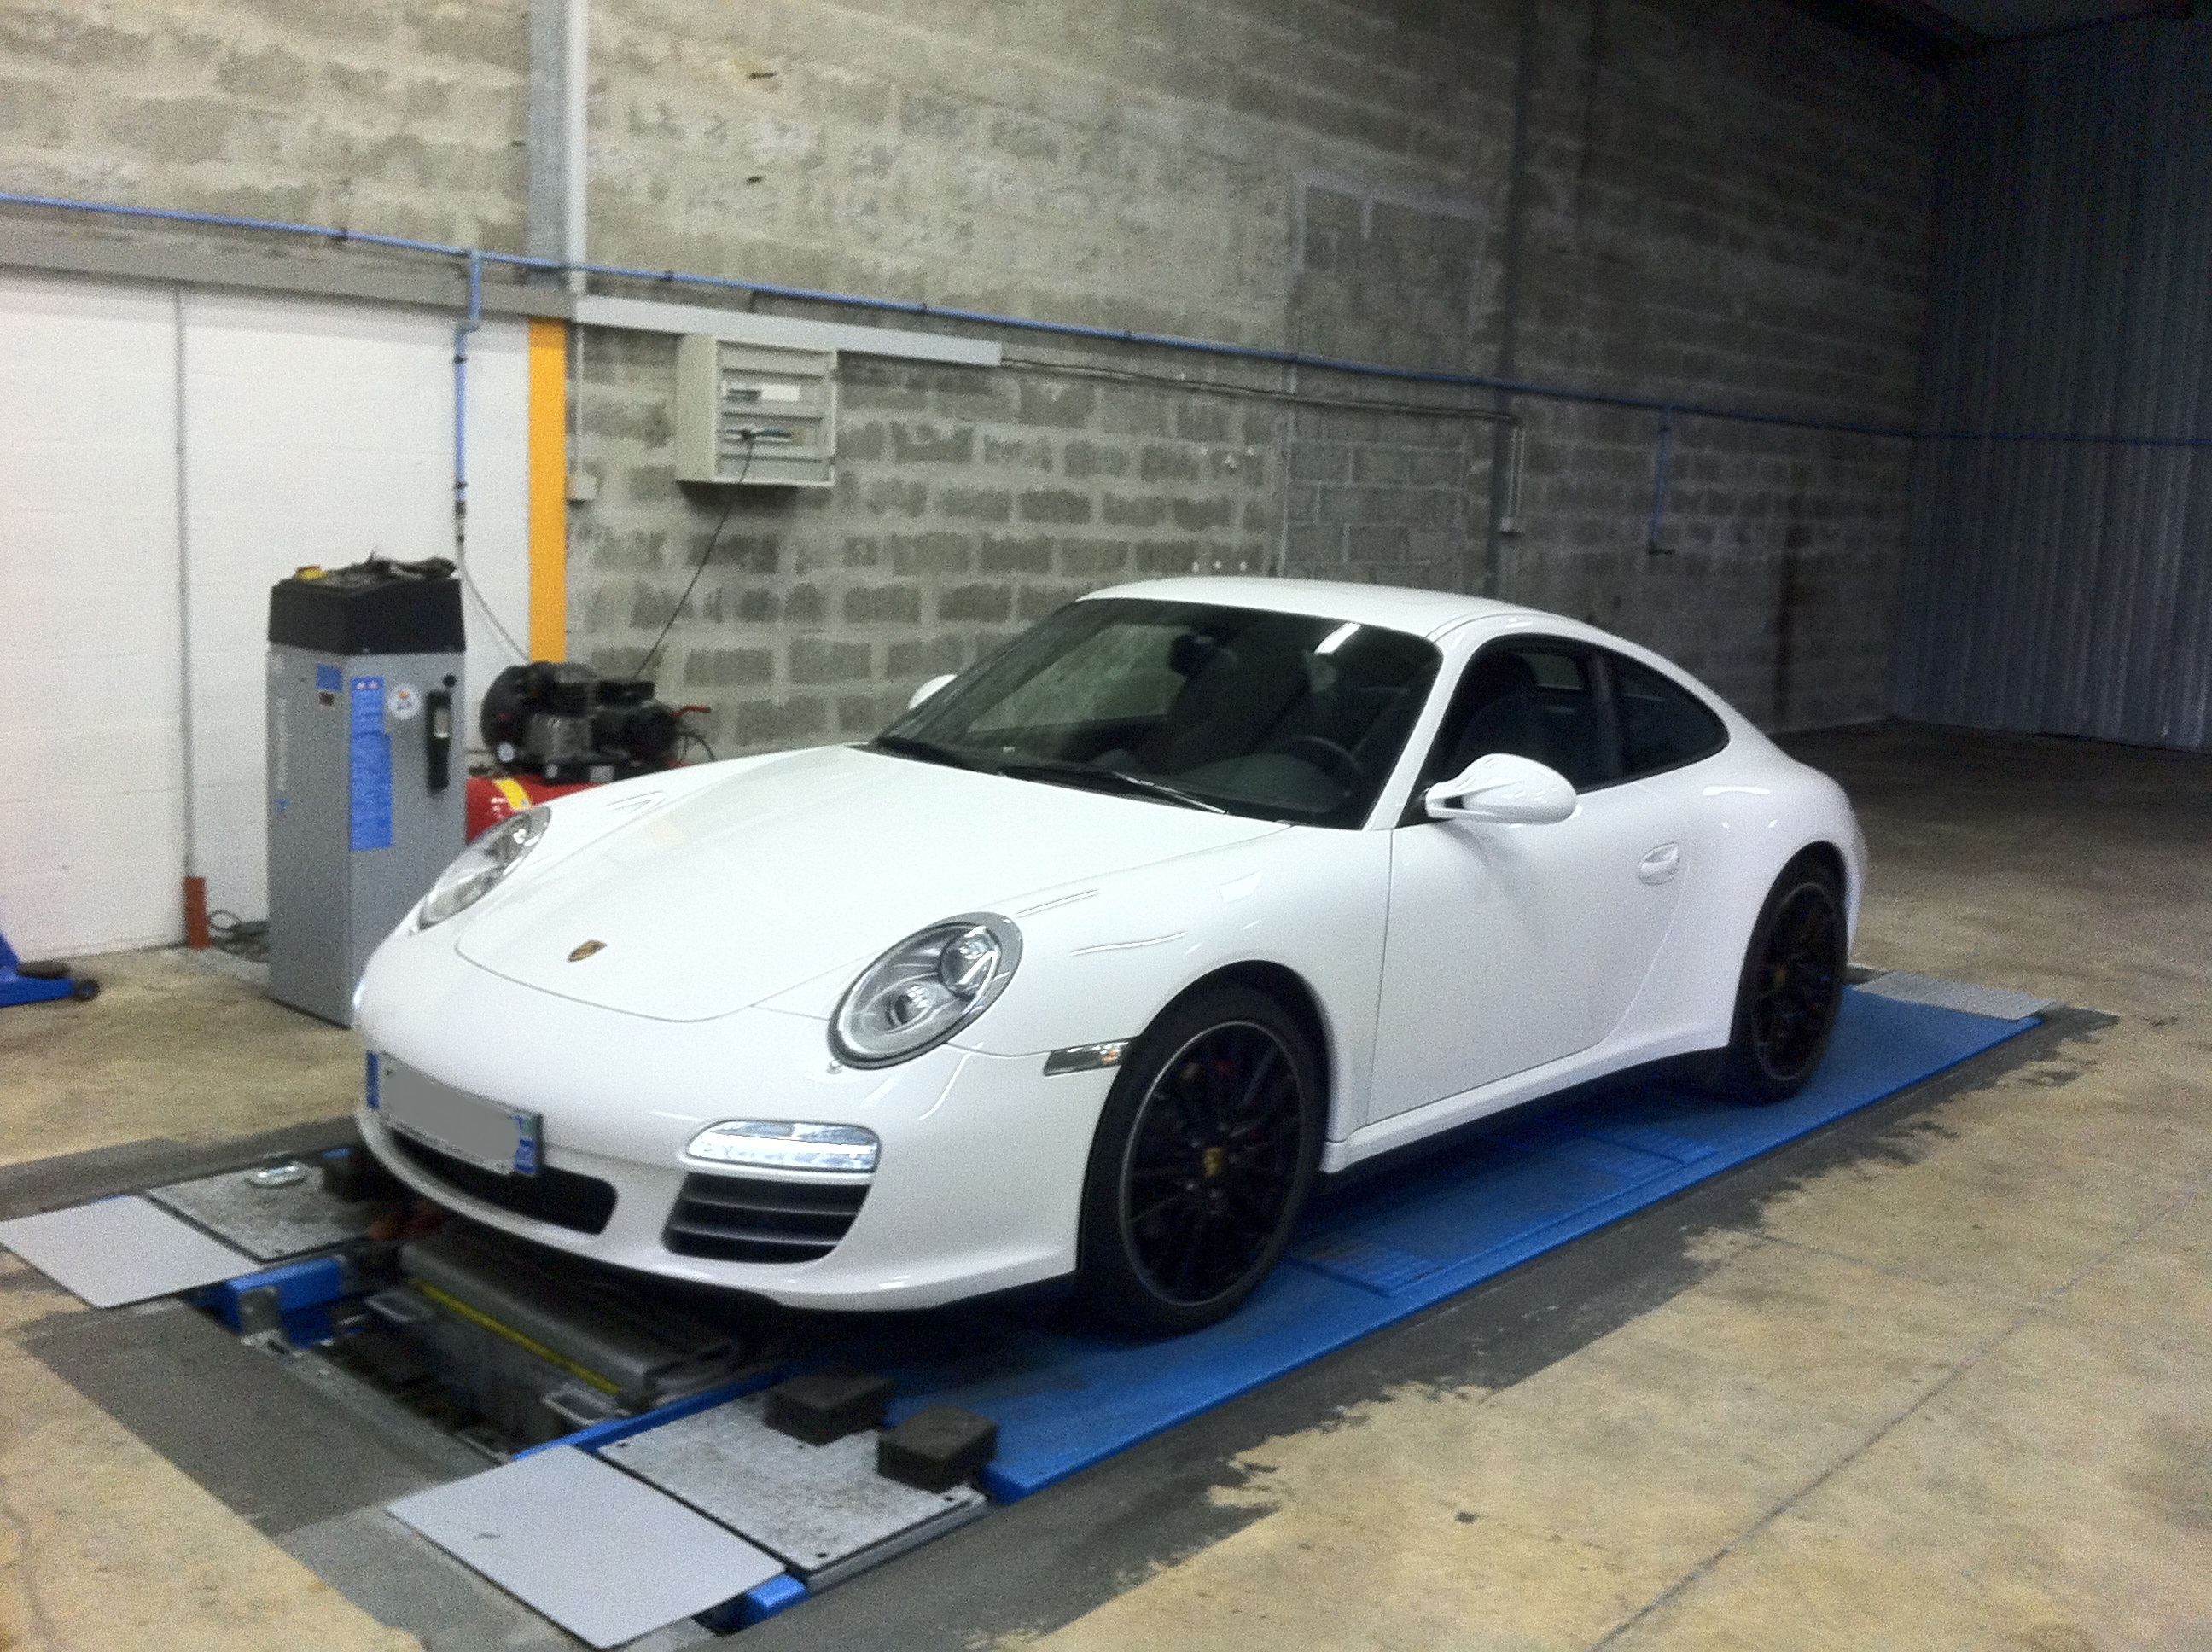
x: 568, y: 724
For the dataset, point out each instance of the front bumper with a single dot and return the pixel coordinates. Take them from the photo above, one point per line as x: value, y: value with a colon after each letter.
x: 977, y: 1190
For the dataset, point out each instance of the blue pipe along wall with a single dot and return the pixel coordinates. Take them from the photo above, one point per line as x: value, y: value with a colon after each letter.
x: 473, y: 260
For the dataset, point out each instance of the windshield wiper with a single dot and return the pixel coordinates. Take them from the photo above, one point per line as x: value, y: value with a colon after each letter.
x: 1040, y: 769
x: 1053, y: 768
x: 906, y: 745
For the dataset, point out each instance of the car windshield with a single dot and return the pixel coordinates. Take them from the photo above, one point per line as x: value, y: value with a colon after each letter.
x: 1282, y: 716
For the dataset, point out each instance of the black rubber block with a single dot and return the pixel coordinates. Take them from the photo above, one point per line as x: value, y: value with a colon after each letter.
x: 829, y: 1404
x: 352, y: 1175
x: 937, y: 1448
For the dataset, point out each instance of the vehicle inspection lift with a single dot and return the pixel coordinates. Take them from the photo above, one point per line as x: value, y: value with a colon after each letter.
x: 656, y: 1455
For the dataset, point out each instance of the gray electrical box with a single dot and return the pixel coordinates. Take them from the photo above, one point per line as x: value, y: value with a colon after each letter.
x: 367, y: 783
x: 755, y: 413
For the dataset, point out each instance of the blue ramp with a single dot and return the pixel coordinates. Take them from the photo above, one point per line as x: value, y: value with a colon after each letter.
x: 1534, y: 1179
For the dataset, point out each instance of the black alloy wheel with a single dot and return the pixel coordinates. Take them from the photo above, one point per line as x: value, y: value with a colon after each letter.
x: 1791, y: 988
x: 1791, y: 1016
x: 1203, y: 1159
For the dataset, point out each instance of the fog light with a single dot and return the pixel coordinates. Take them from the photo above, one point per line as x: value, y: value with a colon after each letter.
x: 768, y: 1145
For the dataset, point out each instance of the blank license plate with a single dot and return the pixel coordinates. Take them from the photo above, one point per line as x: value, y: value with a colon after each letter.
x: 480, y: 1132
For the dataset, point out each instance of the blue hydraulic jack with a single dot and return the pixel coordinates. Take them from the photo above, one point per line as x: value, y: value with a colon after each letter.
x: 35, y: 983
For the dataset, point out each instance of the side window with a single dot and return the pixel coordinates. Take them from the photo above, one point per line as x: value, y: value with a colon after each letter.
x: 1661, y: 726
x: 1533, y: 698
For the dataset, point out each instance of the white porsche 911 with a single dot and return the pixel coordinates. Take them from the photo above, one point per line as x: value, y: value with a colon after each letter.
x: 1101, y: 953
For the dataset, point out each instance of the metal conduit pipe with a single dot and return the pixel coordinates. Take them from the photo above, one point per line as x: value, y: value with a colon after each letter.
x: 560, y: 84
x: 469, y: 323
x: 195, y: 884
x: 475, y: 258
x: 1653, y: 546
x: 1079, y: 330
x: 1504, y: 448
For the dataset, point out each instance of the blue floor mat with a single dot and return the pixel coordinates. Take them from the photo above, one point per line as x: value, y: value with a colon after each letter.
x: 1533, y: 1179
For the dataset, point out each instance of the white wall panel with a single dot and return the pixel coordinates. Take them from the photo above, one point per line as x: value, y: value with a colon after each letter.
x: 91, y: 808
x: 315, y: 432
x: 322, y: 432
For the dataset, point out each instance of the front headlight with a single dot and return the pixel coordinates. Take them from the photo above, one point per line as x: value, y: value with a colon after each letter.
x: 478, y: 868
x: 925, y: 989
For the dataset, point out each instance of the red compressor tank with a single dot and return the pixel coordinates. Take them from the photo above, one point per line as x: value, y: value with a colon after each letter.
x: 493, y: 798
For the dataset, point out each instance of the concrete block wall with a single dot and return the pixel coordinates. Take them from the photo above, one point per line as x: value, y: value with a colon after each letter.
x: 1384, y: 275
x: 407, y: 119
x: 968, y: 504
x: 1126, y: 163
x: 1728, y: 205
x: 1395, y: 498
x: 1718, y: 201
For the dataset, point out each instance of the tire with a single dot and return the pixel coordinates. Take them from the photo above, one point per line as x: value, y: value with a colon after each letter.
x: 84, y: 989
x: 1792, y: 985
x: 1204, y: 1157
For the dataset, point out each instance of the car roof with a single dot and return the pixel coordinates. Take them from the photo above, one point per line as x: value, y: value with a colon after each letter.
x: 1424, y: 613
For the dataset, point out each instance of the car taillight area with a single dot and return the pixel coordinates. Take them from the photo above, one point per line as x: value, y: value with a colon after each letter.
x: 756, y: 1219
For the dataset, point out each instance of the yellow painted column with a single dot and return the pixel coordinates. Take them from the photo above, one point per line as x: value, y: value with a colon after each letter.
x: 549, y: 488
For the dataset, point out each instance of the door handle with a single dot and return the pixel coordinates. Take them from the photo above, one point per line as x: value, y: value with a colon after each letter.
x: 1659, y: 864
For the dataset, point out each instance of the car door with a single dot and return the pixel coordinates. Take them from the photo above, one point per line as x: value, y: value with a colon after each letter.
x: 1510, y: 946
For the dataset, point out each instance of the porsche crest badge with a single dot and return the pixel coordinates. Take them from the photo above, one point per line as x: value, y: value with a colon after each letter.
x: 586, y: 950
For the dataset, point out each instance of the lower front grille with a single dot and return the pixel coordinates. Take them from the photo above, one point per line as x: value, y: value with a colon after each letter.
x: 752, y: 1219
x: 561, y: 1197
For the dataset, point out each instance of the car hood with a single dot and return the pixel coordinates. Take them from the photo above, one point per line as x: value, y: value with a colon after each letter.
x: 749, y: 886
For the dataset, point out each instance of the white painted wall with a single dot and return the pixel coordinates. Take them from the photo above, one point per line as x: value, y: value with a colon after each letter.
x: 320, y: 432
x: 315, y: 431
x: 91, y: 815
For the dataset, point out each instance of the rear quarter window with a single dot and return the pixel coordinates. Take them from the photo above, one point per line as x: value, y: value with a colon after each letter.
x: 1661, y: 727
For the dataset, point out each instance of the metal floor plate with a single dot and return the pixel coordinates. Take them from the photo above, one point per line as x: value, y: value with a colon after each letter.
x: 824, y: 1509
x: 121, y: 1250
x: 605, y: 1557
x: 1998, y: 1003
x: 269, y: 1223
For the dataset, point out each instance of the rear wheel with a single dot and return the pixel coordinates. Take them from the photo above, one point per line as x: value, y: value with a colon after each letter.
x: 1791, y: 987
x: 1203, y: 1159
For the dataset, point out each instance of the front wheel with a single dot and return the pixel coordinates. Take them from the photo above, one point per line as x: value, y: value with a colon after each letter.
x: 1791, y: 987
x: 1204, y: 1155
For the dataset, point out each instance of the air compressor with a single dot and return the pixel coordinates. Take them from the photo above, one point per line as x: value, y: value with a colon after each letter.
x: 553, y: 728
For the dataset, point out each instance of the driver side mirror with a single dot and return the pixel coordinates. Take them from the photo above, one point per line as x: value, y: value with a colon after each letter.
x: 1505, y: 789
x: 927, y: 689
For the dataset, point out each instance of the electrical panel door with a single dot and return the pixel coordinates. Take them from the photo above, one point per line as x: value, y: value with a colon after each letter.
x: 755, y: 414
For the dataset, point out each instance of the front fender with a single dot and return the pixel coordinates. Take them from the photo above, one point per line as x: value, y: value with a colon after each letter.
x: 1101, y: 958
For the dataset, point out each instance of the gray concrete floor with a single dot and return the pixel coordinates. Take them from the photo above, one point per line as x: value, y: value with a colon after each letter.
x: 1936, y: 1379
